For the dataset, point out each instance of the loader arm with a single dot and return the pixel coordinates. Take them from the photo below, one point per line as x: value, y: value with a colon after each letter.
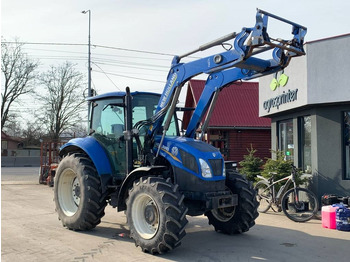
x: 239, y: 63
x: 214, y: 84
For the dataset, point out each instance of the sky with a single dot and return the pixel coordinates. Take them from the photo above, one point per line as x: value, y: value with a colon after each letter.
x: 133, y: 41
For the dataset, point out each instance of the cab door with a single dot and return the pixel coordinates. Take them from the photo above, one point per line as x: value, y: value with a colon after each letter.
x: 107, y: 126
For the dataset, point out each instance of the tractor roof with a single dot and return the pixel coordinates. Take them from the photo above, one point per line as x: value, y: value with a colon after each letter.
x: 118, y: 94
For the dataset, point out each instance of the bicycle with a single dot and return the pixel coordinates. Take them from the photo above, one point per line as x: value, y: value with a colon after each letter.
x: 298, y: 204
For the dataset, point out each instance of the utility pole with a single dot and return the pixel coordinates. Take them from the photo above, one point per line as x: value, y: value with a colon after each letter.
x: 89, y: 63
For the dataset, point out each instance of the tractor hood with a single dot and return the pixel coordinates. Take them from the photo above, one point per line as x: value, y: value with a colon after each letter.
x: 193, y: 156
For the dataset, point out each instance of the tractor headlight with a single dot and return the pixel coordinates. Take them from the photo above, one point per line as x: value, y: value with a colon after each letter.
x: 206, y: 172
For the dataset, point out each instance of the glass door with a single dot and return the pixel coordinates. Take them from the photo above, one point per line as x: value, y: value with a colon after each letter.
x: 285, y: 138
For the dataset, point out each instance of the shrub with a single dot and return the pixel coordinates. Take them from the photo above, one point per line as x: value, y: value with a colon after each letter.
x: 280, y: 166
x: 251, y: 165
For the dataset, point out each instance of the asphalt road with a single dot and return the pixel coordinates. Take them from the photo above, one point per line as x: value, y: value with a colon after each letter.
x: 30, y: 231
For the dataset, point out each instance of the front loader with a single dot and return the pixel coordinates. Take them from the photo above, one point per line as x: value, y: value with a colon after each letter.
x: 135, y: 159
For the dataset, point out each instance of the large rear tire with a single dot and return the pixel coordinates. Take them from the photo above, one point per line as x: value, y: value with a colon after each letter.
x: 238, y: 219
x: 77, y: 193
x: 156, y: 215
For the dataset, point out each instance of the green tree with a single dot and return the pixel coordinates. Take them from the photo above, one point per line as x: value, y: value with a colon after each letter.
x: 251, y: 165
x: 280, y: 166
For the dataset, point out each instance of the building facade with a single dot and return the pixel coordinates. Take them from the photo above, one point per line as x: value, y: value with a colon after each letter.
x: 310, y: 114
x: 9, y: 144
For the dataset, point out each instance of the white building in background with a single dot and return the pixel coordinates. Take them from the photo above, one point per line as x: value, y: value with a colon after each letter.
x: 310, y: 115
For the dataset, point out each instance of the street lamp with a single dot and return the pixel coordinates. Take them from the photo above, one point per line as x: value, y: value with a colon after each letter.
x: 89, y: 62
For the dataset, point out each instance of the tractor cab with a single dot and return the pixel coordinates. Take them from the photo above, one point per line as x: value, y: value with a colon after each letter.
x: 108, y: 123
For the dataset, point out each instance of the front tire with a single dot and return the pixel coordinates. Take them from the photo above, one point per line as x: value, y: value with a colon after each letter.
x: 156, y: 215
x: 77, y: 193
x: 238, y: 219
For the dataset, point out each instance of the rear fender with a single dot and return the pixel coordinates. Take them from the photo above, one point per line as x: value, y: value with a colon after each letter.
x: 96, y: 153
x: 135, y: 175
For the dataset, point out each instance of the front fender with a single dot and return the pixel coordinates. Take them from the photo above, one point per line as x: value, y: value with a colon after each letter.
x: 96, y: 153
x: 129, y: 180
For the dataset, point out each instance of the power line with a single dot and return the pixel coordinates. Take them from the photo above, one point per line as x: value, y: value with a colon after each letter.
x: 136, y: 72
x: 107, y: 76
x: 134, y: 50
x: 127, y: 66
x: 96, y: 54
x: 105, y: 61
x: 78, y: 44
x: 128, y: 63
x: 55, y: 50
x: 60, y: 57
x: 43, y: 43
x: 133, y: 57
x: 137, y: 78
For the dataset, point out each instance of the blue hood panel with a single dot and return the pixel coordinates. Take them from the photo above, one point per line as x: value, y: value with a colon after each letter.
x: 198, y: 149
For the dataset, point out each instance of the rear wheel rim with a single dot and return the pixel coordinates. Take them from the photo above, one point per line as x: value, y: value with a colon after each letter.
x: 145, y: 216
x: 69, y: 192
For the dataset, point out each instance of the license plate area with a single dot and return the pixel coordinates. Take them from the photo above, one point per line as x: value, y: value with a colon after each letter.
x: 222, y: 201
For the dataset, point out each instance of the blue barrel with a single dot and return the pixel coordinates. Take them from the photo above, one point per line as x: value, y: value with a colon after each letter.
x: 342, y: 216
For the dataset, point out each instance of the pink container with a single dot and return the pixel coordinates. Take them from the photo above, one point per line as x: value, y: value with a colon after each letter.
x: 328, y: 217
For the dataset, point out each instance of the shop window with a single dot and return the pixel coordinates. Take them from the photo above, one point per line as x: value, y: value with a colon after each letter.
x: 3, y: 144
x: 346, y: 145
x: 285, y: 138
x: 305, y: 144
x: 4, y: 151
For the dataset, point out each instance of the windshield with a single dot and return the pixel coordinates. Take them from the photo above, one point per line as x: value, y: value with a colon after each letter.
x: 144, y: 106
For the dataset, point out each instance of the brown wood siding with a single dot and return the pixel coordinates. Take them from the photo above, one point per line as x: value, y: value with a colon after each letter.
x: 240, y: 140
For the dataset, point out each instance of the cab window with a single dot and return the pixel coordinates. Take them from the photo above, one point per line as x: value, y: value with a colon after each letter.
x: 107, y: 126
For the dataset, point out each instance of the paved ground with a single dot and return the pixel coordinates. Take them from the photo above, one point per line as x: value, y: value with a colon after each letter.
x: 30, y: 231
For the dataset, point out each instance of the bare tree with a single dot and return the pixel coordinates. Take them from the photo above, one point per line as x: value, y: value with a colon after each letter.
x: 19, y: 74
x: 13, y: 128
x: 63, y: 98
x: 32, y: 133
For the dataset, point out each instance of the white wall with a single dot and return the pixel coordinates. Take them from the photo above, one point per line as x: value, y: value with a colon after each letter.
x: 328, y: 70
x: 322, y: 76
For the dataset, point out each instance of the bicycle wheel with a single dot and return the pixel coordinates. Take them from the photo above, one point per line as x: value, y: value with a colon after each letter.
x: 263, y: 196
x: 299, y: 204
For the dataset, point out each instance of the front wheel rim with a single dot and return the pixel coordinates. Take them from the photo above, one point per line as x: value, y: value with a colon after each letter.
x: 224, y: 214
x: 145, y: 216
x: 69, y: 192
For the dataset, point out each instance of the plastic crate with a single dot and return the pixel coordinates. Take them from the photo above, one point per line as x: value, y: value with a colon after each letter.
x: 342, y: 217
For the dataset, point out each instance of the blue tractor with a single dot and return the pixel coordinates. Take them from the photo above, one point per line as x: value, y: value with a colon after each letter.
x: 135, y: 159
